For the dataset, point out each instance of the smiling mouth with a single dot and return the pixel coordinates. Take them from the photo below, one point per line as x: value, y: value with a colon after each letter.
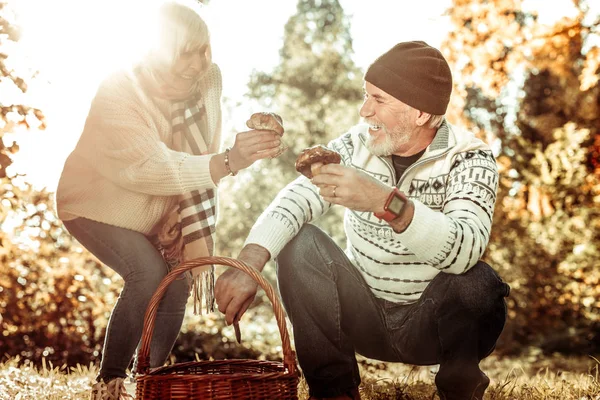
x: 374, y: 126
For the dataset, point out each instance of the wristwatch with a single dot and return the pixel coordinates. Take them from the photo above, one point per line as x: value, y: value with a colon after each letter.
x: 394, y: 206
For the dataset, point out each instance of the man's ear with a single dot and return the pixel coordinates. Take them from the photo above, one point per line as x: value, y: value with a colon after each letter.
x: 423, y: 118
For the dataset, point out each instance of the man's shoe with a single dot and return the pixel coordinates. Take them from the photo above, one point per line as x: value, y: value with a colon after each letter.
x: 113, y: 390
x: 449, y: 389
x: 353, y: 394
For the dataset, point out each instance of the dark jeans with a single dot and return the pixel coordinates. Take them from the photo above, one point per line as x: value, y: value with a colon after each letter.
x: 131, y: 255
x: 455, y: 323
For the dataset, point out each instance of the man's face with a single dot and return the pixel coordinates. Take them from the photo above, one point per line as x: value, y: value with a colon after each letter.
x: 391, y: 122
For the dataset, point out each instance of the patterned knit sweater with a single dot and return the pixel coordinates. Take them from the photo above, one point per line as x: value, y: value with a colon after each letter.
x: 453, y: 186
x: 122, y: 171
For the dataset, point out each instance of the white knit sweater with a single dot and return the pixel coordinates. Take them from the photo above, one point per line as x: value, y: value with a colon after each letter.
x: 453, y: 186
x: 122, y: 171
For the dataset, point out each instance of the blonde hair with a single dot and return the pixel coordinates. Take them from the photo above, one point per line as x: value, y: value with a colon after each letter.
x: 179, y: 28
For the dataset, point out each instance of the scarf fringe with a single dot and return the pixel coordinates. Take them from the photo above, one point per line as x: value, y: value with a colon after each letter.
x: 203, y: 286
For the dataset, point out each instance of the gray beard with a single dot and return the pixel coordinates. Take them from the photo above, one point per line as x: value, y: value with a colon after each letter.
x: 380, y: 149
x: 387, y: 147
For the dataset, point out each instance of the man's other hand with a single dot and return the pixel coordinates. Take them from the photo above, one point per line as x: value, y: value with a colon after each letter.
x: 235, y: 290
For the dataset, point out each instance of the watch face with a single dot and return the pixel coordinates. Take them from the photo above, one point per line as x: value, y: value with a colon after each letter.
x: 396, y: 205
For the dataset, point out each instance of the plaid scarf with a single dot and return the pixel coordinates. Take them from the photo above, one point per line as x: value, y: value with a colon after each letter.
x: 187, y: 232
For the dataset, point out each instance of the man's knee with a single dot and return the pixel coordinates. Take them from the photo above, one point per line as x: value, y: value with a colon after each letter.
x: 301, y: 259
x: 303, y: 241
x: 480, y: 289
x: 301, y: 246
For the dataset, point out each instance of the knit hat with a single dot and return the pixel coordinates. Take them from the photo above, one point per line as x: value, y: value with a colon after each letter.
x: 414, y: 73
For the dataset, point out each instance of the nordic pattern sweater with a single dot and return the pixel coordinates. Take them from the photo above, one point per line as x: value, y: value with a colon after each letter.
x: 122, y: 171
x: 453, y: 186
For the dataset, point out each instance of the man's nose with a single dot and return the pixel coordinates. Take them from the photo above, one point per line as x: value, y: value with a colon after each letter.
x: 366, y: 110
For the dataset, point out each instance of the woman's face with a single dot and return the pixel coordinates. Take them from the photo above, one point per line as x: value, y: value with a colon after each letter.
x: 191, y: 66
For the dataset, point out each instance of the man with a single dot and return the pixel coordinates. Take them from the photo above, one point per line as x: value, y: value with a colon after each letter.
x: 419, y: 197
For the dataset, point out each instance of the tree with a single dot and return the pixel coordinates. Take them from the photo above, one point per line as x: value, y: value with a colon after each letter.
x: 316, y: 88
x: 12, y: 115
x: 532, y: 91
x: 48, y: 286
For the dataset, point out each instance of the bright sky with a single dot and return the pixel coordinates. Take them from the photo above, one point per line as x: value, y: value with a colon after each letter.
x: 75, y: 42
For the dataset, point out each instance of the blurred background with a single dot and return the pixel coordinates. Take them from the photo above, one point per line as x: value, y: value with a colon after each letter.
x: 525, y: 80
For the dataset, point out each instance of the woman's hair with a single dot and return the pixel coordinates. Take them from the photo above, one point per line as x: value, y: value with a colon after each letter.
x: 178, y: 28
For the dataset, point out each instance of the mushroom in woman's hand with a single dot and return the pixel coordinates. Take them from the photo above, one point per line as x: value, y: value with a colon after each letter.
x: 268, y: 121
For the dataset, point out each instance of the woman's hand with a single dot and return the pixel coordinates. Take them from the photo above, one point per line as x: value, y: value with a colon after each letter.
x: 251, y: 146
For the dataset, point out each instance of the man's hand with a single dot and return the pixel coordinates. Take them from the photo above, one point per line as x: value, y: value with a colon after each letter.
x: 235, y: 290
x: 351, y: 188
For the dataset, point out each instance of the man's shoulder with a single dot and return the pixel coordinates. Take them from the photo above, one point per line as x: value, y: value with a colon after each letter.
x: 470, y: 152
x: 465, y: 140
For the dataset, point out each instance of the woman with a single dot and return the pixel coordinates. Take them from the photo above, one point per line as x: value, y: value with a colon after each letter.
x: 147, y: 159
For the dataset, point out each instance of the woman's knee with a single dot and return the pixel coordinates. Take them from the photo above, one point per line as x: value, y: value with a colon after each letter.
x: 144, y: 280
x: 177, y: 294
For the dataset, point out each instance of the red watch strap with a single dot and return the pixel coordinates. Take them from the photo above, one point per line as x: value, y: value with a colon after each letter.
x: 387, y: 215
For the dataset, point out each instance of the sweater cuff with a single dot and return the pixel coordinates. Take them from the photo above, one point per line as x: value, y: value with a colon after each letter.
x: 194, y: 173
x: 427, y: 231
x: 273, y: 236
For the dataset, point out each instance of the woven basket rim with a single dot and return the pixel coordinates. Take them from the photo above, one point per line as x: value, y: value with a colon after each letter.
x: 209, y: 377
x: 289, y: 356
x: 172, y: 369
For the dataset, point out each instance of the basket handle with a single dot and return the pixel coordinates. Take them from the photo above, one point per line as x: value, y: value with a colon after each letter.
x: 289, y: 357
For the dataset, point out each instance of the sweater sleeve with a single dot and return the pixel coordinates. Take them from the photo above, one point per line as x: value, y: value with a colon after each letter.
x: 454, y: 239
x: 126, y: 150
x: 297, y: 204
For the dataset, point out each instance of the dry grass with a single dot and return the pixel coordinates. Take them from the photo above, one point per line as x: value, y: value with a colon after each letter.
x: 21, y: 381
x: 576, y: 379
x: 528, y: 379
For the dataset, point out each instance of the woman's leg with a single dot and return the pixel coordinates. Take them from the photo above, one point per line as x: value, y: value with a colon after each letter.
x: 134, y: 258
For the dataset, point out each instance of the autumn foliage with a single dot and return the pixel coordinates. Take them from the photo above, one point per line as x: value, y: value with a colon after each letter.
x: 528, y: 89
x: 533, y: 91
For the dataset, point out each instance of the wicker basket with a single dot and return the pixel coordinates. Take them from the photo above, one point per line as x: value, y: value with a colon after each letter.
x: 222, y: 379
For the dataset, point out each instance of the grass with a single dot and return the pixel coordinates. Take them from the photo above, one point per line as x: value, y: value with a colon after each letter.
x: 549, y: 378
x: 20, y: 381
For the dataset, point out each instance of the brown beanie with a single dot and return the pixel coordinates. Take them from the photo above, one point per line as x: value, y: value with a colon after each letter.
x: 414, y: 73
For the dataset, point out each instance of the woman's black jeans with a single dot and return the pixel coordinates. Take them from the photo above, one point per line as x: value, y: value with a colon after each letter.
x: 455, y: 323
